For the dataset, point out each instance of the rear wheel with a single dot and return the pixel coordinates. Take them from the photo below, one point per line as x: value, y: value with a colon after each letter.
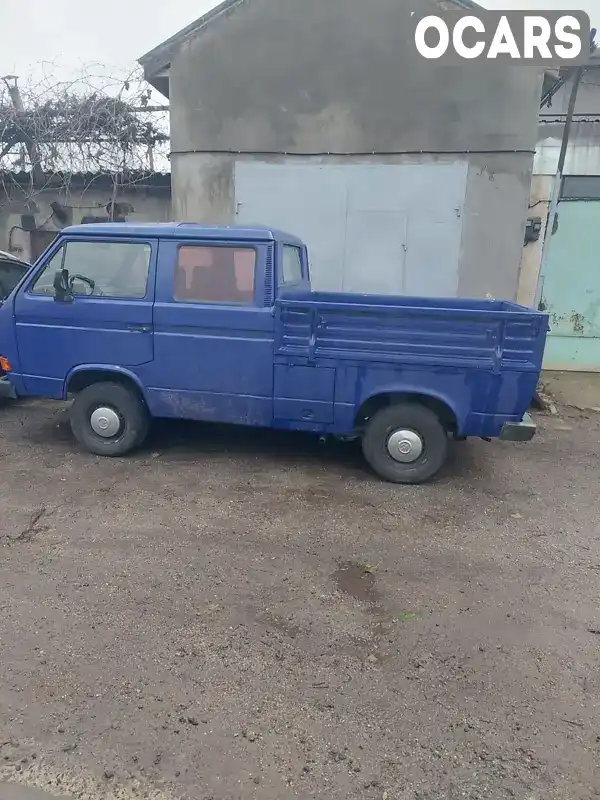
x: 405, y: 443
x: 109, y: 419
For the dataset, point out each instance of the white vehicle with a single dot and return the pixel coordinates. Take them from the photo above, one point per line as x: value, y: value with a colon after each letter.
x: 12, y: 270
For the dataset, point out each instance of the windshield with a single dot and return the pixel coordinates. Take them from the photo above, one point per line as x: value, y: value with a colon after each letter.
x: 114, y: 269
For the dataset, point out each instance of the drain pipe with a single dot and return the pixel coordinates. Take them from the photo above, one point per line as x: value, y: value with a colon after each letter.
x: 557, y: 186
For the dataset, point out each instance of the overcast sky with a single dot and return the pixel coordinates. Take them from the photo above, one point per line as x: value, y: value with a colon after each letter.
x: 117, y: 32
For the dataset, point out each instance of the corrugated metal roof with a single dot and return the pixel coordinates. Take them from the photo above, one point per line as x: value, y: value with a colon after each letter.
x: 560, y: 119
x: 51, y: 179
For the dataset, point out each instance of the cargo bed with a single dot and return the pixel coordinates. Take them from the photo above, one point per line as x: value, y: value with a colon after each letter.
x: 486, y: 334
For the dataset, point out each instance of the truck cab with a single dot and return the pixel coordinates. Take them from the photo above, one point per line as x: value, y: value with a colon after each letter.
x: 220, y: 324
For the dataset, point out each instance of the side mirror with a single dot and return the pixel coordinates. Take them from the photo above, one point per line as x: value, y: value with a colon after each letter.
x: 62, y: 289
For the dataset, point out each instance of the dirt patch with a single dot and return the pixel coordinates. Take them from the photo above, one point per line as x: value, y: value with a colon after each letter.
x: 237, y: 614
x: 358, y: 581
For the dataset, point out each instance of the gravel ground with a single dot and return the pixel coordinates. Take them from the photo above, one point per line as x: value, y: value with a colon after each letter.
x: 239, y: 614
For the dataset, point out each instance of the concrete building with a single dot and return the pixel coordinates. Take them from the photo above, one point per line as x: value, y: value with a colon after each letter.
x: 318, y: 116
x: 571, y: 281
x: 30, y: 217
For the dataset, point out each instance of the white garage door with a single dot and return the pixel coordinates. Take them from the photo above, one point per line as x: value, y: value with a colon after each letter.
x: 390, y: 229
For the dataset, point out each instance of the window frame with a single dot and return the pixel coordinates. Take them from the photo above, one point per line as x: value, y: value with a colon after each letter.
x: 63, y: 243
x: 210, y: 245
x: 577, y: 188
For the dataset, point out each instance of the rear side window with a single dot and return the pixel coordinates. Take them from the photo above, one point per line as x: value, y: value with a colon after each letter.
x: 209, y: 274
x: 106, y: 269
x: 291, y: 271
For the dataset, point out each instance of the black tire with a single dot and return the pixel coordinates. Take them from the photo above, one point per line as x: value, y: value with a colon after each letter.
x: 413, y: 417
x: 128, y: 405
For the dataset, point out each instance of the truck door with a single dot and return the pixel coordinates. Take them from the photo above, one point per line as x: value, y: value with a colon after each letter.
x: 213, y: 332
x: 108, y: 321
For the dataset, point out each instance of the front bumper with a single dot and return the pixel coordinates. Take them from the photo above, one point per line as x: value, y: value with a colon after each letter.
x: 7, y: 390
x: 523, y: 431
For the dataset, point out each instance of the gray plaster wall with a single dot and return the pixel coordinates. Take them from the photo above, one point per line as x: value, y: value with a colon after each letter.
x: 494, y: 215
x: 147, y: 207
x: 338, y: 80
x: 339, y: 76
x: 494, y: 226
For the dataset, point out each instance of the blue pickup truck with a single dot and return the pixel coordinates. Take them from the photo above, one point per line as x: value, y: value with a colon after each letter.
x: 220, y: 324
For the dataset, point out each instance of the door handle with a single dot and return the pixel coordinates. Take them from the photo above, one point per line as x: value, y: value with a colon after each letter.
x: 140, y: 328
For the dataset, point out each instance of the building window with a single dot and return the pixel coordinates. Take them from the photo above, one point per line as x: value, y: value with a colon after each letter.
x: 105, y: 269
x: 207, y: 274
x: 291, y: 268
x: 581, y: 187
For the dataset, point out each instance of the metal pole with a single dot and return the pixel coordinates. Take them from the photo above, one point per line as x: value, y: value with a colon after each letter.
x: 557, y: 185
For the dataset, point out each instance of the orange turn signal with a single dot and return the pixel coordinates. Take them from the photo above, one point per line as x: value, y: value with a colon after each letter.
x: 5, y: 364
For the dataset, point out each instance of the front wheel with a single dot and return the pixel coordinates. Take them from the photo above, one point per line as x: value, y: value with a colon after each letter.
x: 109, y: 419
x: 405, y: 443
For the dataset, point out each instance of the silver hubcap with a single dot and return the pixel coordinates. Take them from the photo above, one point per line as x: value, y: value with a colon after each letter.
x: 405, y: 446
x: 105, y: 422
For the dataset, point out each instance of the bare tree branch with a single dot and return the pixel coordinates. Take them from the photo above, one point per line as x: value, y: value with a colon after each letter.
x: 8, y: 147
x: 95, y: 123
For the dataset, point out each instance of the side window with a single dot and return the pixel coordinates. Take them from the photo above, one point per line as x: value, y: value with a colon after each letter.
x: 44, y: 283
x: 291, y: 268
x: 105, y: 269
x: 212, y: 274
